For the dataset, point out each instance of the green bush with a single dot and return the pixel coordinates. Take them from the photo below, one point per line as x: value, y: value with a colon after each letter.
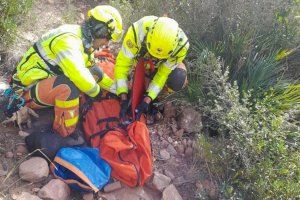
x: 12, y: 12
x: 258, y: 149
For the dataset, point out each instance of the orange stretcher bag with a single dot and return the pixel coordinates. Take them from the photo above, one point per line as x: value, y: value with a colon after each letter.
x: 126, y: 148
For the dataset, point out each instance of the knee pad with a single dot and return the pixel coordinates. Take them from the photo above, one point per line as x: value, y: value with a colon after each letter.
x: 177, y: 79
x: 61, y: 79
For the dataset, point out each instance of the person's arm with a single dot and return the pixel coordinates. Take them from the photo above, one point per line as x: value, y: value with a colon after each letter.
x: 70, y: 57
x: 160, y: 78
x: 125, y: 61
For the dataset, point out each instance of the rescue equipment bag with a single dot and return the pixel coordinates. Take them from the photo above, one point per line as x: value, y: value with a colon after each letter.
x: 81, y: 168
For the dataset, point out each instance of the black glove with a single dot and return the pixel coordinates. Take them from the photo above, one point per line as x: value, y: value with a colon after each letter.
x: 124, y: 108
x: 141, y: 108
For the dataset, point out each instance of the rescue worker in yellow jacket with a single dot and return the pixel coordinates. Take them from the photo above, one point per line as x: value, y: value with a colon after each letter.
x: 162, y: 41
x: 60, y: 65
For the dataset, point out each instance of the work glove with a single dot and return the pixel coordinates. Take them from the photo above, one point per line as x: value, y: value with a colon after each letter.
x: 124, y: 108
x: 142, y: 108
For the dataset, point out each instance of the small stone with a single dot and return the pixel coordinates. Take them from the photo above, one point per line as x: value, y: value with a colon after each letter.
x: 190, y: 142
x: 27, y: 196
x: 50, y: 1
x: 174, y: 128
x: 171, y: 193
x: 180, y: 149
x: 21, y: 150
x: 34, y: 170
x: 14, y: 196
x: 170, y: 140
x: 35, y: 190
x: 164, y: 143
x: 158, y: 117
x: 81, y: 15
x: 23, y: 134
x: 169, y: 110
x: 179, y: 133
x: 160, y: 181
x: 9, y: 154
x: 171, y: 150
x: 164, y: 154
x: 184, y: 142
x: 113, y: 186
x: 169, y: 174
x: 54, y: 190
x: 88, y: 196
x: 188, y: 152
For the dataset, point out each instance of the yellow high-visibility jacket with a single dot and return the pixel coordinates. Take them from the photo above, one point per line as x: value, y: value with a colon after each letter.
x: 132, y: 48
x: 63, y: 50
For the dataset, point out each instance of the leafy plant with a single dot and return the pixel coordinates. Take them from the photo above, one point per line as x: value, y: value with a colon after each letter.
x: 11, y: 12
x: 255, y: 145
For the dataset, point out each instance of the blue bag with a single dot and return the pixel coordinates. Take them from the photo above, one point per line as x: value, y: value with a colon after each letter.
x: 81, y: 168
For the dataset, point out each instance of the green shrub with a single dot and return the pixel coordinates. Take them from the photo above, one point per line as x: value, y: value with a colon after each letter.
x: 258, y: 149
x: 11, y: 12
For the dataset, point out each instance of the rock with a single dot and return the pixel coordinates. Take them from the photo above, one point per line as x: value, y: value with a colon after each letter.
x: 88, y: 196
x: 23, y: 134
x: 9, y: 154
x: 164, y: 154
x: 113, y: 186
x: 171, y: 150
x: 189, y: 142
x: 169, y: 174
x: 189, y: 120
x: 184, y: 142
x: 171, y: 193
x: 50, y: 1
x: 54, y: 190
x: 170, y: 140
x: 180, y: 149
x: 34, y: 170
x: 136, y: 193
x: 81, y: 15
x: 174, y: 128
x: 21, y: 150
x: 180, y: 180
x: 164, y: 143
x: 160, y: 181
x: 27, y: 196
x: 158, y: 117
x: 169, y: 110
x: 179, y: 133
x: 188, y: 152
x: 35, y: 190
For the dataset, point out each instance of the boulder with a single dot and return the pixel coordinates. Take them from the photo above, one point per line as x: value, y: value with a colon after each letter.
x: 189, y: 120
x: 171, y: 193
x: 54, y: 190
x: 34, y: 170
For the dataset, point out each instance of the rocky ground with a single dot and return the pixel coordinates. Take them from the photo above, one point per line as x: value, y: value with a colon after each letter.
x: 177, y: 172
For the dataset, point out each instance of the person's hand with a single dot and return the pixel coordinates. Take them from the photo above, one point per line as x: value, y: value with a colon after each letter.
x: 142, y: 108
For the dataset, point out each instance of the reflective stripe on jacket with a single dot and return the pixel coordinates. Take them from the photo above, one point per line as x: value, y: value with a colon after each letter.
x: 131, y: 49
